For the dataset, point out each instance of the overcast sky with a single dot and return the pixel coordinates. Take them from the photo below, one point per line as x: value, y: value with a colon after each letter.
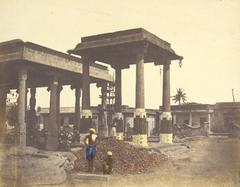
x: 206, y: 33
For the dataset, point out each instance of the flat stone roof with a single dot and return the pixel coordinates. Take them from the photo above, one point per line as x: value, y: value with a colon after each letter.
x: 122, y: 44
x: 227, y: 105
x: 42, y: 60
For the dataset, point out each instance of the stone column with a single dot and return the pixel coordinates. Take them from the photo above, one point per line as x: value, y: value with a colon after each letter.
x: 118, y: 89
x: 86, y: 113
x: 174, y: 118
x: 118, y: 116
x: 31, y: 130
x: 190, y: 118
x: 77, y: 112
x: 22, y: 85
x: 26, y: 105
x: 103, y: 114
x: 3, y: 98
x: 52, y: 130
x: 41, y: 122
x: 140, y: 122
x: 65, y: 120
x: 209, y: 123
x: 59, y: 89
x: 166, y: 134
x: 33, y: 98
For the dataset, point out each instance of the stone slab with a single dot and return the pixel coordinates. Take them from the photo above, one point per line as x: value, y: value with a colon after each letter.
x: 92, y: 177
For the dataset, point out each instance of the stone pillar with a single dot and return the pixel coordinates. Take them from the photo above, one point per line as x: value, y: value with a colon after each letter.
x: 209, y: 123
x: 3, y: 98
x: 41, y: 122
x: 52, y: 130
x: 140, y: 122
x: 65, y: 120
x: 118, y: 89
x: 31, y: 130
x: 166, y: 134
x: 103, y: 114
x: 77, y: 112
x: 86, y: 113
x: 190, y: 118
x: 174, y: 117
x: 26, y: 105
x: 59, y: 89
x: 118, y: 116
x: 33, y: 98
x: 22, y: 85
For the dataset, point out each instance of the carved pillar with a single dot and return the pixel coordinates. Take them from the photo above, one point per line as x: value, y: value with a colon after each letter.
x: 86, y: 113
x: 118, y: 116
x: 77, y: 111
x: 118, y: 89
x: 103, y: 114
x: 52, y: 130
x: 166, y: 134
x: 31, y: 130
x: 22, y: 78
x: 33, y: 98
x: 59, y: 89
x: 140, y: 122
x: 3, y: 98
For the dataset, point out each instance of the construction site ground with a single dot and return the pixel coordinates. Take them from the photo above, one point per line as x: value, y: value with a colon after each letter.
x: 207, y: 162
x: 198, y: 161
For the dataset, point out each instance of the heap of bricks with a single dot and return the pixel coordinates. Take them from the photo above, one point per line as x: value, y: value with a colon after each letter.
x: 127, y: 158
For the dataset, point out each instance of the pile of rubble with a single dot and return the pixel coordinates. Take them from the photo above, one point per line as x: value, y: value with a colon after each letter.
x: 127, y: 158
x: 30, y: 166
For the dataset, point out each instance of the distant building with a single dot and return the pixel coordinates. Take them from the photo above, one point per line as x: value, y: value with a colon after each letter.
x: 195, y: 118
x: 226, y: 118
x: 199, y: 118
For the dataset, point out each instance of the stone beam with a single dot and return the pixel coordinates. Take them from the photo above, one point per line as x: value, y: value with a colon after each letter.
x: 17, y: 50
x: 59, y: 62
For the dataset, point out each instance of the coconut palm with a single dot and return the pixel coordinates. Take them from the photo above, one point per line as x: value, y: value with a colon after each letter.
x: 180, y: 97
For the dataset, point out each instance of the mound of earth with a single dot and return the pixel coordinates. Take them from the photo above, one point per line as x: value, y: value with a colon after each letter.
x: 127, y: 159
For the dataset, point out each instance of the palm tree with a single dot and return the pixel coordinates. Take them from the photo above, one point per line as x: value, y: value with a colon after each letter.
x: 180, y: 96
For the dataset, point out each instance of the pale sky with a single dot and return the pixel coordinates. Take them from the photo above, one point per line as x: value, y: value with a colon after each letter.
x: 206, y: 33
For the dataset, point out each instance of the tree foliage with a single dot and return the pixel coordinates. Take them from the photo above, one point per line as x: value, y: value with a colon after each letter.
x: 180, y: 97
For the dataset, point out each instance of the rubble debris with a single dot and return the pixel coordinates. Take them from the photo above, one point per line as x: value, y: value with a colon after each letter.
x: 36, y: 167
x: 173, y: 151
x: 127, y: 159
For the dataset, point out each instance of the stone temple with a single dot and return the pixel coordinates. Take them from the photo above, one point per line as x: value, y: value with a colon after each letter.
x: 26, y: 66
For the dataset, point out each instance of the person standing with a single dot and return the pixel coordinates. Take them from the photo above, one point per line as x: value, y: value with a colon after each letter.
x: 114, y: 129
x: 91, y: 141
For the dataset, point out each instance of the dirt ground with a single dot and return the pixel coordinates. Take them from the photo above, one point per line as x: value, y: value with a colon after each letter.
x: 209, y: 162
